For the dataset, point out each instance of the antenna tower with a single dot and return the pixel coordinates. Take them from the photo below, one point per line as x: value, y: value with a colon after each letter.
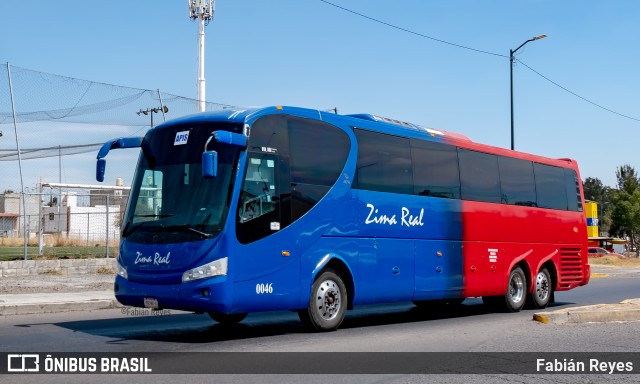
x: 203, y: 11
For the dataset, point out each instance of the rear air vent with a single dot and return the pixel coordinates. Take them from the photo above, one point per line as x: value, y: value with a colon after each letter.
x: 571, y: 271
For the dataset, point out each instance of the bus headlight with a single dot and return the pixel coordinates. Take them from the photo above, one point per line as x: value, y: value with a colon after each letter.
x: 121, y: 271
x: 214, y: 268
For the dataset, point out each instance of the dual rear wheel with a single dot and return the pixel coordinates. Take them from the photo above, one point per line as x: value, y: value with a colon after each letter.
x: 516, y: 296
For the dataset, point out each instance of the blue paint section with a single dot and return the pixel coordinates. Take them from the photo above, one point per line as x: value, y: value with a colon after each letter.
x: 387, y: 270
x: 421, y: 236
x: 439, y: 269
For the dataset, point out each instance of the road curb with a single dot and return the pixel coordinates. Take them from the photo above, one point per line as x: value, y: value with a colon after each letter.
x: 599, y: 275
x: 35, y: 308
x: 627, y: 310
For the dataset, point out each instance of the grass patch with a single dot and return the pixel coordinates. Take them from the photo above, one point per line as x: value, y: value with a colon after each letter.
x: 52, y: 272
x: 105, y: 271
x: 615, y: 261
x: 8, y: 253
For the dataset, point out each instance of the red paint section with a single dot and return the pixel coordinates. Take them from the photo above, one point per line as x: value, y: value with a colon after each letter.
x: 496, y: 237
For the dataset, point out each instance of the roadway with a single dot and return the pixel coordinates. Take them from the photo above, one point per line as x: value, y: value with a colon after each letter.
x: 381, y: 328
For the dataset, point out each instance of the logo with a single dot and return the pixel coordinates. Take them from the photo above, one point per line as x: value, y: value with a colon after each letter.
x: 181, y: 138
x: 23, y: 363
x: 157, y: 259
x: 407, y: 219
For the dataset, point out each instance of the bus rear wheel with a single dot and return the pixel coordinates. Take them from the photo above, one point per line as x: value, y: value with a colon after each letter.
x: 543, y: 290
x: 227, y: 318
x: 515, y: 296
x: 327, y: 304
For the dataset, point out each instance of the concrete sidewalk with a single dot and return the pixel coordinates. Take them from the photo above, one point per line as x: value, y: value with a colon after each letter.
x: 30, y: 303
x: 627, y: 310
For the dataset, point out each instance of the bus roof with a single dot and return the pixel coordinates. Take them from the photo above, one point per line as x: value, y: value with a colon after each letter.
x: 369, y: 122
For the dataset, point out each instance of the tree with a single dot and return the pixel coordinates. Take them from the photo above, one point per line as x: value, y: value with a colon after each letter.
x: 625, y: 215
x: 594, y: 190
x: 627, y: 178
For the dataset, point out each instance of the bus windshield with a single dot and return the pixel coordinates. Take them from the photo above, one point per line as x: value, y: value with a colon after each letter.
x: 170, y: 201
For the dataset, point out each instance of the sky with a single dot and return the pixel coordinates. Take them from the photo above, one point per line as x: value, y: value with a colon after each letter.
x: 310, y: 53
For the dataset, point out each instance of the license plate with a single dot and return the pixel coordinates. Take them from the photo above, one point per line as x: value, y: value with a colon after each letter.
x: 150, y: 302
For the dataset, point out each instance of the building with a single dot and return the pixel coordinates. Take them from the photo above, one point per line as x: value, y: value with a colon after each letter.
x: 12, y: 216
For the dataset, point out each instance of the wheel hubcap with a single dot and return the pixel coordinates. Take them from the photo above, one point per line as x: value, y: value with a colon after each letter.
x: 516, y: 289
x: 542, y: 287
x: 328, y: 299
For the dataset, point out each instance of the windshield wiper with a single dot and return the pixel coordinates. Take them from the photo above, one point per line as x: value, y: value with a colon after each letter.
x: 203, y: 234
x: 183, y: 228
x: 160, y: 215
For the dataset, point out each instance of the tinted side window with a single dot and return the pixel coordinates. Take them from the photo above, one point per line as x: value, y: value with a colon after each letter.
x: 318, y: 151
x: 517, y: 181
x: 435, y: 169
x: 572, y: 184
x: 479, y: 178
x: 384, y: 163
x: 550, y: 186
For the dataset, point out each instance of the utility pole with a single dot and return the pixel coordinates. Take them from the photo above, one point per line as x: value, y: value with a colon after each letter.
x: 203, y: 11
x: 512, y: 58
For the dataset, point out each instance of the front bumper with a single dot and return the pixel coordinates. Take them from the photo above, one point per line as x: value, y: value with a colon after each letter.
x: 207, y: 295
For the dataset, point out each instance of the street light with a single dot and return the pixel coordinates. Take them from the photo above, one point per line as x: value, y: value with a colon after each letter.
x: 151, y: 111
x: 512, y: 58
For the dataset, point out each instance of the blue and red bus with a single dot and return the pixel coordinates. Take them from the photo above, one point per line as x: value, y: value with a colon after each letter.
x: 285, y: 208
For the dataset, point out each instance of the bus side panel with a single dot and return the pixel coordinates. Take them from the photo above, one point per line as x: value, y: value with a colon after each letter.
x: 482, y: 277
x: 387, y: 270
x: 279, y: 290
x: 326, y: 250
x: 439, y: 273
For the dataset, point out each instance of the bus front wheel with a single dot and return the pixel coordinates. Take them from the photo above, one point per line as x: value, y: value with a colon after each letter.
x: 327, y: 304
x: 514, y: 298
x: 227, y: 318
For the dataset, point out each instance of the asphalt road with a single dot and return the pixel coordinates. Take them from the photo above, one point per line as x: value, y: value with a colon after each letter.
x: 380, y: 328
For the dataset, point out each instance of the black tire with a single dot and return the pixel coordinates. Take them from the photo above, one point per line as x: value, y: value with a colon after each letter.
x: 542, y: 290
x: 327, y: 303
x: 227, y: 318
x: 515, y: 296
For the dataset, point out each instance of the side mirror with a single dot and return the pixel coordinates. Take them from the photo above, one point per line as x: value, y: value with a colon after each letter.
x: 101, y: 166
x: 209, y: 164
x: 210, y: 158
x: 123, y: 142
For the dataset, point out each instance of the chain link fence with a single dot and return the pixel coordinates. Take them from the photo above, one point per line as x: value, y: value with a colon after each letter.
x: 51, y: 128
x: 62, y: 224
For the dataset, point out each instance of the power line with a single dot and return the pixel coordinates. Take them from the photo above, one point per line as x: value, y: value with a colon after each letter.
x: 413, y: 32
x: 479, y: 51
x: 575, y: 94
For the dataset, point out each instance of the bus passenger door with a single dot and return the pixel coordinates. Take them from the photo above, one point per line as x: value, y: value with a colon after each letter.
x: 438, y: 269
x: 387, y: 270
x: 267, y: 269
